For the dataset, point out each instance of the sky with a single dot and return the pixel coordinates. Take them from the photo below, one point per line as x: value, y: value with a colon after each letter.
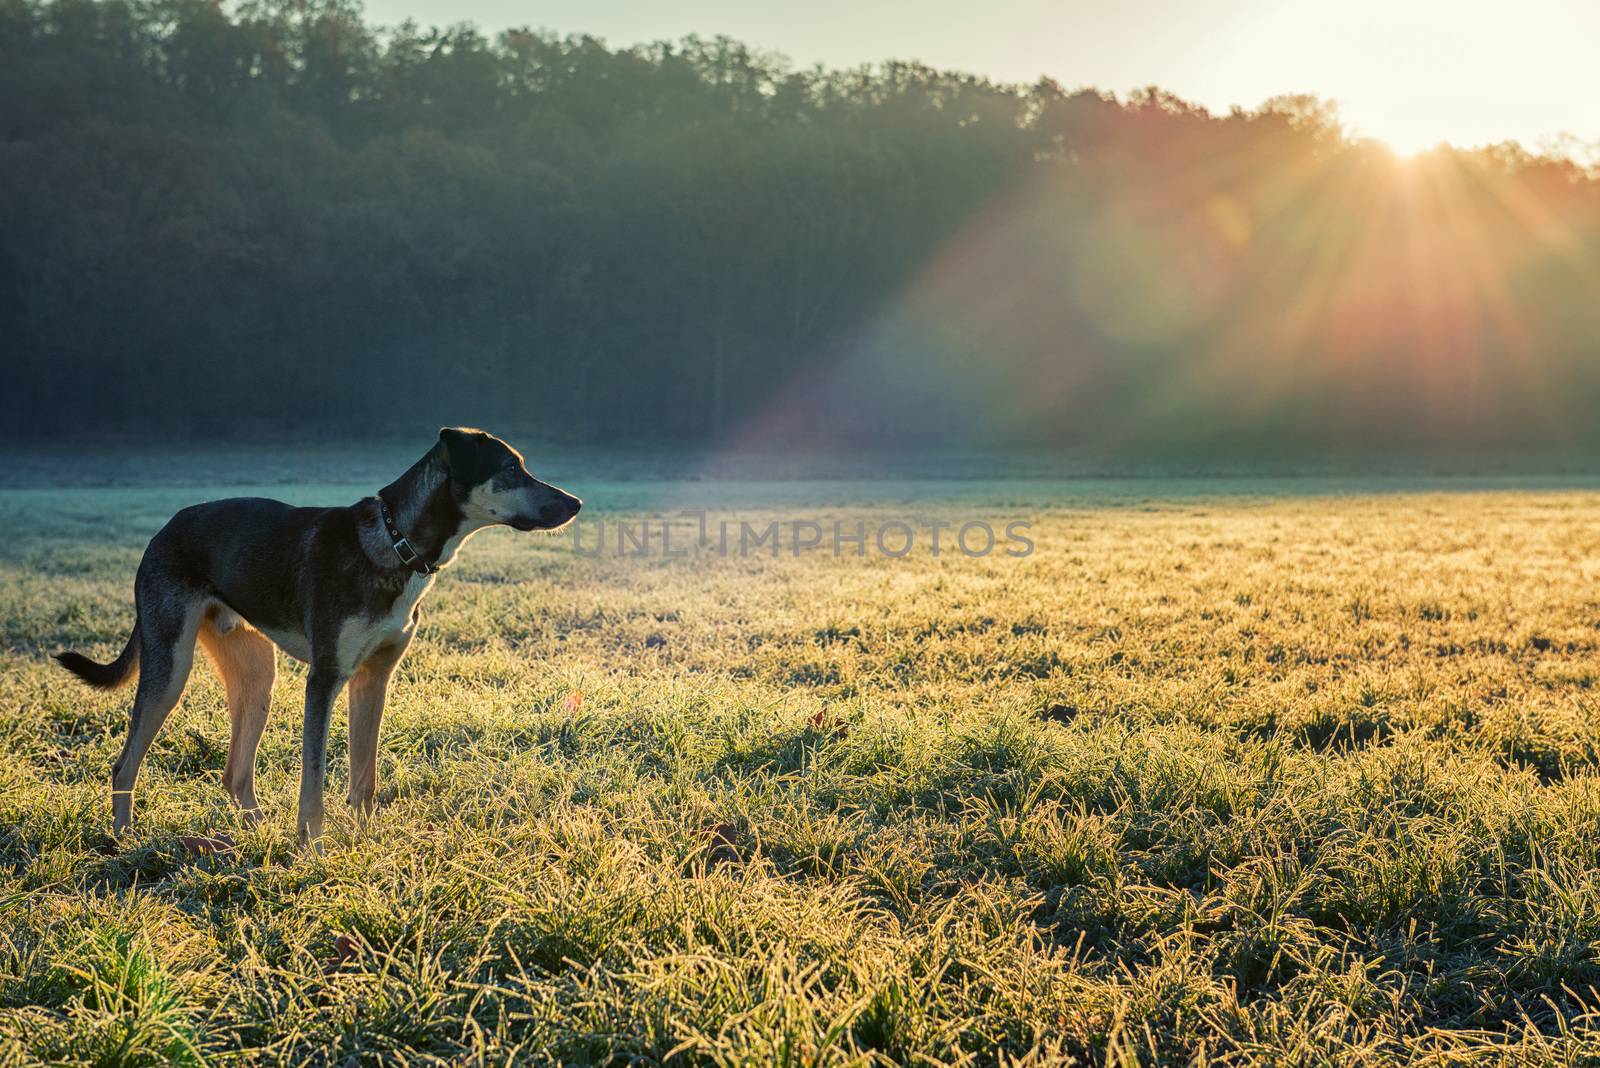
x: 1412, y: 73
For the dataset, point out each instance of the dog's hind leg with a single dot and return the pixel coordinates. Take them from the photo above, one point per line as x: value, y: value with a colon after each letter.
x: 367, y: 690
x: 168, y: 622
x: 244, y: 659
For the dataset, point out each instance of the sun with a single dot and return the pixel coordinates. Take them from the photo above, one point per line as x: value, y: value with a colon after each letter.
x: 1406, y: 139
x: 1417, y: 73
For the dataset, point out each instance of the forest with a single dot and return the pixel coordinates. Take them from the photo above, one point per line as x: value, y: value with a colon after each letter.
x: 273, y: 218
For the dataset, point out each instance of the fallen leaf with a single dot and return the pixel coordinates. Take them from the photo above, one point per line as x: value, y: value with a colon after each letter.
x: 722, y: 840
x: 218, y: 846
x: 344, y: 948
x: 822, y: 722
x: 574, y: 701
x: 1060, y: 713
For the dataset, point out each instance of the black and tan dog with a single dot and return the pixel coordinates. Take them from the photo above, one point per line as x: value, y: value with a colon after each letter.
x: 338, y: 588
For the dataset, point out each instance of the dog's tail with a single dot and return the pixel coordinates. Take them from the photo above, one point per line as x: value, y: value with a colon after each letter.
x: 105, y: 676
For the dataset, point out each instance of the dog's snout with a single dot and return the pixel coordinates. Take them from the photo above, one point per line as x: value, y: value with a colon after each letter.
x: 558, y: 512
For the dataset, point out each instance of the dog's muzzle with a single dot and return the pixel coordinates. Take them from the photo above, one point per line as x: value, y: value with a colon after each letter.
x: 551, y: 516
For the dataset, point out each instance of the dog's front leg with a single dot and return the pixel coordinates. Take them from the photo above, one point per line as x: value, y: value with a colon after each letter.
x: 322, y: 689
x: 367, y: 689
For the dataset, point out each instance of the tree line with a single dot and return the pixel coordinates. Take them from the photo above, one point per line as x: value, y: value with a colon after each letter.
x: 275, y: 218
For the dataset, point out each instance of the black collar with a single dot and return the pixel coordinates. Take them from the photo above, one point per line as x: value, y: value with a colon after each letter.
x: 401, y: 546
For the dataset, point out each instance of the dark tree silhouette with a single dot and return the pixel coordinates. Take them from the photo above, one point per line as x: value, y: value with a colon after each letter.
x: 278, y: 219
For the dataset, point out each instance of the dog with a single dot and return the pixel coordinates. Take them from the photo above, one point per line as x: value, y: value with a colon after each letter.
x: 337, y: 588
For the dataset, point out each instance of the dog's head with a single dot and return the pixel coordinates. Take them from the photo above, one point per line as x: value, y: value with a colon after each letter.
x: 493, y: 485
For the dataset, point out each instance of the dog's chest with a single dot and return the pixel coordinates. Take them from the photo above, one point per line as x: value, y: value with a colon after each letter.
x: 363, y: 635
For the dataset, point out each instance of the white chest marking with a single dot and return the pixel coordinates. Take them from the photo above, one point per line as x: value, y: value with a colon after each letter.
x: 360, y: 637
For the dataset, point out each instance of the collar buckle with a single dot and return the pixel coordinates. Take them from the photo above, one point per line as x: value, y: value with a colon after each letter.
x: 406, y: 553
x: 401, y: 545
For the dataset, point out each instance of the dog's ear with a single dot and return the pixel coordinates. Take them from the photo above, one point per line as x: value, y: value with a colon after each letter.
x: 467, y: 454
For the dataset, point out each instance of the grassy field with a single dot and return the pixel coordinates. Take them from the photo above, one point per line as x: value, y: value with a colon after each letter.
x: 1276, y: 772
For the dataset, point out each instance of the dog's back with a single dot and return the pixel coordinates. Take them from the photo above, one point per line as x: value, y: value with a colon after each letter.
x: 247, y: 552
